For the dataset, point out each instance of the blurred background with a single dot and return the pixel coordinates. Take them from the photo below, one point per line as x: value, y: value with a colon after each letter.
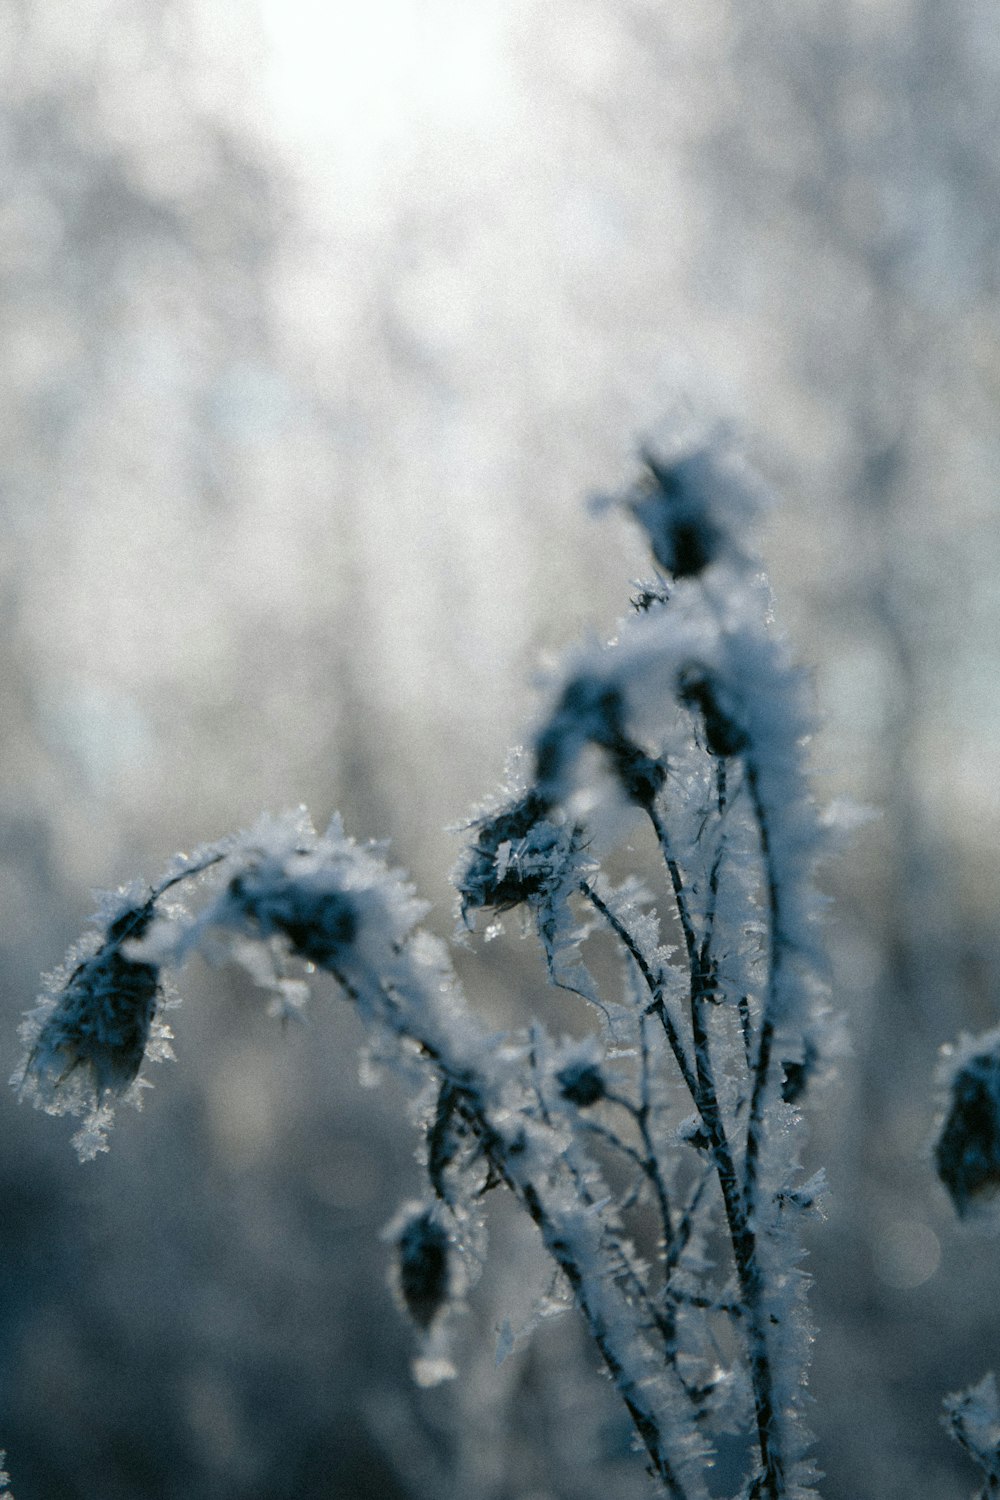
x: 320, y: 322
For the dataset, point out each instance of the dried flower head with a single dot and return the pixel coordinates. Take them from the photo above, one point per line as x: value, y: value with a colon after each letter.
x: 701, y: 692
x: 423, y: 1270
x: 99, y: 1019
x: 518, y: 855
x: 581, y: 1083
x: 591, y: 710
x: 91, y: 1031
x: 673, y: 508
x: 696, y: 507
x: 967, y: 1153
x: 318, y: 919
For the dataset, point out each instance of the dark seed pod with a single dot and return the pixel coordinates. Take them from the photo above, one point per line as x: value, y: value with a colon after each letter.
x: 103, y: 1018
x: 581, y: 1084
x: 589, y: 711
x: 423, y: 1268
x: 797, y: 1075
x: 967, y: 1154
x: 320, y: 929
x: 485, y: 882
x: 319, y: 924
x: 723, y: 735
x: 640, y: 776
x: 594, y: 711
x: 674, y: 512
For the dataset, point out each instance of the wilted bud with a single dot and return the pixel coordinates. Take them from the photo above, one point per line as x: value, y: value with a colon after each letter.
x: 674, y: 508
x: 422, y: 1267
x: 102, y: 1017
x: 723, y: 735
x: 796, y: 1074
x: 967, y: 1154
x: 319, y: 922
x: 582, y: 1083
x: 592, y: 711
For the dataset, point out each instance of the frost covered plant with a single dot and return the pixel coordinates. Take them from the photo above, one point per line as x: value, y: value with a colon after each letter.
x: 656, y: 1151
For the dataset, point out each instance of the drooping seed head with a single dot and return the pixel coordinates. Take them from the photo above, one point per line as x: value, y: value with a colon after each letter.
x: 518, y: 854
x: 699, y: 691
x: 423, y: 1270
x: 101, y: 1020
x: 967, y: 1153
x: 581, y: 1083
x: 319, y: 921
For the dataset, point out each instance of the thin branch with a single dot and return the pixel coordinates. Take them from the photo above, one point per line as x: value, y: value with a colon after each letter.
x: 654, y: 985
